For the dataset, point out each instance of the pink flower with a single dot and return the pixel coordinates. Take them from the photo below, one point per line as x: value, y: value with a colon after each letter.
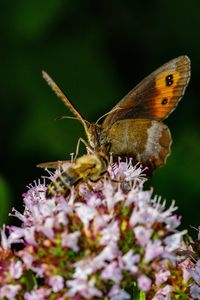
x: 153, y: 249
x: 196, y: 272
x: 195, y: 291
x: 163, y: 293
x: 16, y: 235
x: 84, y: 268
x: 109, y: 253
x: 144, y: 283
x: 111, y: 195
x: 142, y: 234
x: 110, y: 233
x: 56, y: 282
x: 16, y: 269
x: 126, y: 171
x: 28, y: 259
x: 70, y: 240
x: 47, y: 227
x: 4, y: 240
x: 116, y: 293
x: 173, y: 241
x: 29, y: 235
x: 39, y: 294
x: 102, y: 237
x: 93, y: 200
x: 172, y: 222
x: 101, y: 222
x: 185, y: 267
x: 85, y: 213
x: 145, y: 214
x: 162, y: 276
x: 112, y: 272
x: 61, y: 219
x: 9, y: 291
x: 129, y: 259
x: 85, y: 288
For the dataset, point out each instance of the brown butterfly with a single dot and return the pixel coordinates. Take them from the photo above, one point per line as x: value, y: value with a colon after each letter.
x: 134, y: 128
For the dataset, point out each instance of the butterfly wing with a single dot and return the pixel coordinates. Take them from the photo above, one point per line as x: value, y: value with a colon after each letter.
x: 146, y: 141
x: 156, y: 96
x: 53, y: 164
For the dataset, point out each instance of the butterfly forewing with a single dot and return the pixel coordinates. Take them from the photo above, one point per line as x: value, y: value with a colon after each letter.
x: 156, y: 96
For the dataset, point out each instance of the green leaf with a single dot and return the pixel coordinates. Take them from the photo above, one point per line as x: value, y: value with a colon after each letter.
x: 139, y: 296
x: 142, y: 295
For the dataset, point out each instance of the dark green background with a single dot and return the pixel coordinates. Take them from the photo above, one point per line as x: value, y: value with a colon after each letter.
x: 96, y: 51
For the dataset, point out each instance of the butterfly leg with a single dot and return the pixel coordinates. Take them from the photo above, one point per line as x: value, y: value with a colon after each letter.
x: 78, y: 146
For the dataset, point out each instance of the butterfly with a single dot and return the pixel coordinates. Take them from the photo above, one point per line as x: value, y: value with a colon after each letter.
x: 134, y: 127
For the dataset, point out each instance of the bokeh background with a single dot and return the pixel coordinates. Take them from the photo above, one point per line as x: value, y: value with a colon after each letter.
x: 96, y: 51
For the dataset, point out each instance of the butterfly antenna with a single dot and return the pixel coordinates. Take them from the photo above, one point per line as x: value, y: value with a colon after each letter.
x: 65, y: 117
x: 65, y: 100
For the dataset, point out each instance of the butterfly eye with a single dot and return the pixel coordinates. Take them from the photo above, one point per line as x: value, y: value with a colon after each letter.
x: 169, y: 80
x: 164, y: 101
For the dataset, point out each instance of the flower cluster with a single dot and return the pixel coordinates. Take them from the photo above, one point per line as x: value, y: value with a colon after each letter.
x: 193, y: 252
x: 105, y: 240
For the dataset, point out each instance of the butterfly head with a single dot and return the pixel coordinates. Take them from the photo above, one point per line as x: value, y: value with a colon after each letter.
x: 93, y: 133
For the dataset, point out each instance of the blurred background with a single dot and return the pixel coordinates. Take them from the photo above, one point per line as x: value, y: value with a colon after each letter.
x: 96, y: 51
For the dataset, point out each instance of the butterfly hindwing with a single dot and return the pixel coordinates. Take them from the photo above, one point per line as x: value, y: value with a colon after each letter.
x: 146, y: 141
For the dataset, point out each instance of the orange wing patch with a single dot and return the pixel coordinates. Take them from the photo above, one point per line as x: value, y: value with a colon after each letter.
x: 170, y: 86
